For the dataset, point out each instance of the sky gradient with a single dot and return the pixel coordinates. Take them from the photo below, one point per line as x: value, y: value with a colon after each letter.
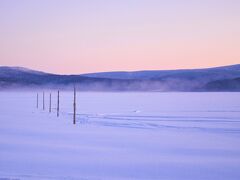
x: 80, y: 36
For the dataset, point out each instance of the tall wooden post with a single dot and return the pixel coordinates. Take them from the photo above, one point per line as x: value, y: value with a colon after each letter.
x: 43, y: 101
x: 37, y: 100
x: 74, y: 106
x: 58, y: 105
x: 50, y: 103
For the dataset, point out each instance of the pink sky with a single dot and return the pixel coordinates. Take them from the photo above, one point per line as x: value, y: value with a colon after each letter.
x: 73, y: 36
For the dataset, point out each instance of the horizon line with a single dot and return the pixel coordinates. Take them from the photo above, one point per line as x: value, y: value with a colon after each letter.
x: 126, y: 71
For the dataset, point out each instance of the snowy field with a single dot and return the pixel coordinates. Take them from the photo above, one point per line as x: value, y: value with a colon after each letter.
x: 164, y: 136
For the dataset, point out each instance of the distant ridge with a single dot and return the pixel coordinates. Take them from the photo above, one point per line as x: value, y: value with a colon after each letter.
x: 15, y: 69
x: 148, y: 74
x: 225, y: 78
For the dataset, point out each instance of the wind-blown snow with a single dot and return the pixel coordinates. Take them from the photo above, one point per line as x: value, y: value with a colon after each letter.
x: 121, y: 136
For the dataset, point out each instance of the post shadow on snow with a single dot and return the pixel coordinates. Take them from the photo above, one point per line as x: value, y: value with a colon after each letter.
x: 155, y: 122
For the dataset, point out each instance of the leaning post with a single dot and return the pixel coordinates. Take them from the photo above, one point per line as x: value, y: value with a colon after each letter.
x: 43, y: 101
x: 50, y: 103
x: 37, y: 100
x: 74, y: 106
x: 58, y: 105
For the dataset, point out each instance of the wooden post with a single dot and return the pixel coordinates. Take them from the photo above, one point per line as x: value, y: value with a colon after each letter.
x: 43, y: 101
x: 58, y: 105
x: 37, y: 100
x: 50, y: 103
x: 74, y: 106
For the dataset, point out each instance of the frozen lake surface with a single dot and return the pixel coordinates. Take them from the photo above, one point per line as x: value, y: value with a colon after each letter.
x: 121, y: 136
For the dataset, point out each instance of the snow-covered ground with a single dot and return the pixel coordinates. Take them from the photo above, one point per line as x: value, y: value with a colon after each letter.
x: 121, y: 136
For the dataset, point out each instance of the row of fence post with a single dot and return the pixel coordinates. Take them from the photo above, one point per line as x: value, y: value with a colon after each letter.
x: 58, y: 103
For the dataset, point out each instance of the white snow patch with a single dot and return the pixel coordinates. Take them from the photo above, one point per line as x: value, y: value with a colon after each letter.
x: 121, y: 136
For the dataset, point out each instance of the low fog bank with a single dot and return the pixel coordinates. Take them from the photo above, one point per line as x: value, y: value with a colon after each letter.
x: 131, y: 85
